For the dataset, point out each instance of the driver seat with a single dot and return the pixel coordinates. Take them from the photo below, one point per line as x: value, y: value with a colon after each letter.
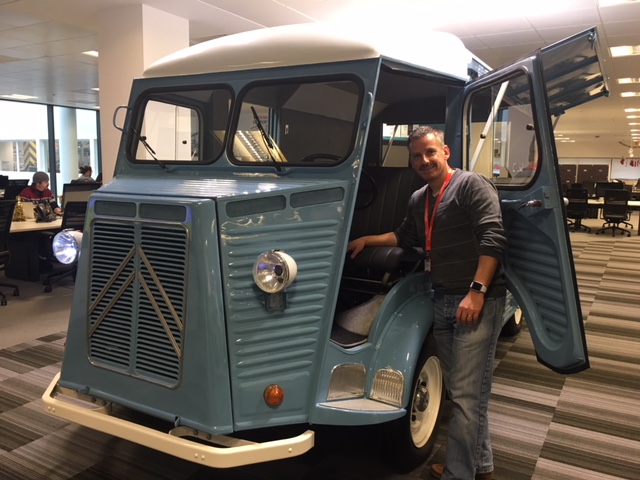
x: 383, y: 195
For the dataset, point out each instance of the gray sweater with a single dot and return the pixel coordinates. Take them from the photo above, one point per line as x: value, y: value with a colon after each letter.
x: 468, y: 224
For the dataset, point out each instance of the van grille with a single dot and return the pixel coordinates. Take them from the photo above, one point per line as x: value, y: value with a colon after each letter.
x: 137, y: 297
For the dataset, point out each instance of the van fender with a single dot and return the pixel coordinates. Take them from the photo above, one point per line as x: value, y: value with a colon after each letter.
x: 401, y: 338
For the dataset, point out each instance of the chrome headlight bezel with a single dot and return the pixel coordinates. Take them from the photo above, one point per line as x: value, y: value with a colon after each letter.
x: 66, y: 246
x: 274, y: 271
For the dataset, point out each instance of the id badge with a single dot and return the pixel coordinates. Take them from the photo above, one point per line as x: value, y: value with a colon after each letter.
x: 427, y: 263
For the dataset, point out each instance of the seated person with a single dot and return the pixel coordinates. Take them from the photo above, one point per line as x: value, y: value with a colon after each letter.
x: 39, y: 191
x: 85, y: 174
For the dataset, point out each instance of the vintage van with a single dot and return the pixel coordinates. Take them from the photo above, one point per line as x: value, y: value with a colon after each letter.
x: 213, y: 294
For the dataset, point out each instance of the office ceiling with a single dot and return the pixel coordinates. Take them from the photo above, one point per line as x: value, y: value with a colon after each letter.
x: 41, y: 43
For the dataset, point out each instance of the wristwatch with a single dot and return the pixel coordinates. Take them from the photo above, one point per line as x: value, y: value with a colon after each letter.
x: 478, y: 287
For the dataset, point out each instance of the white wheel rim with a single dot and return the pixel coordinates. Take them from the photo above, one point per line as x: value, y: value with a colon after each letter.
x: 517, y: 316
x: 423, y: 421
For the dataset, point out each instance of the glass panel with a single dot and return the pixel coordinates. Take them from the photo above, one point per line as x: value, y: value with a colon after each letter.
x: 306, y: 123
x: 76, y: 143
x: 501, y: 141
x: 173, y: 126
x: 572, y: 72
x: 23, y: 139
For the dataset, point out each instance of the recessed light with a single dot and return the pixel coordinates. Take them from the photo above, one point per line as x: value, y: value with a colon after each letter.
x: 17, y: 96
x: 631, y: 110
x: 91, y: 53
x: 634, y: 123
x: 633, y: 116
x: 628, y: 80
x: 630, y: 94
x: 625, y: 50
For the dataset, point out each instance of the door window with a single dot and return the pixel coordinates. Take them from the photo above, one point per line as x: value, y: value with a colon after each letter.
x: 501, y: 140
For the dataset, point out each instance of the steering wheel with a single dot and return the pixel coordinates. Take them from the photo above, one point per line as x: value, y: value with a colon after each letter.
x: 367, y: 191
x: 315, y: 156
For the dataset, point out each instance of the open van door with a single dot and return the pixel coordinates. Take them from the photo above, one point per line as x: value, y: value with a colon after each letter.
x: 507, y: 135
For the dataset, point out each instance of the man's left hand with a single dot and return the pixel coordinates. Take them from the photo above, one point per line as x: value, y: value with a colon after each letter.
x: 470, y: 309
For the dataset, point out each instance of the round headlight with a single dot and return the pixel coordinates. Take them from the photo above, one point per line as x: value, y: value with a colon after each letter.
x: 66, y: 246
x: 274, y: 271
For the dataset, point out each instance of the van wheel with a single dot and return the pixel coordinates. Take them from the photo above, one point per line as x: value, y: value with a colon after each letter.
x: 410, y: 439
x: 513, y: 326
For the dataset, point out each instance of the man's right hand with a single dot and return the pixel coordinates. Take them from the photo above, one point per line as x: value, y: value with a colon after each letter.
x: 356, y: 246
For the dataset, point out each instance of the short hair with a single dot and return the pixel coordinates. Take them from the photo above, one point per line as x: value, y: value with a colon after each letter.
x: 420, y: 132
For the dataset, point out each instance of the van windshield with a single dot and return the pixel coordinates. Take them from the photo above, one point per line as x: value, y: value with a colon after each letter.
x: 187, y: 126
x: 303, y: 123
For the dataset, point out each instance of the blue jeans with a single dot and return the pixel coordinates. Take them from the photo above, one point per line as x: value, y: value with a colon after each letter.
x: 466, y: 355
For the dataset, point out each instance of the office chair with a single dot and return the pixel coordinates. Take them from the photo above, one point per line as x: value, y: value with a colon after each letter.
x: 72, y: 219
x: 615, y: 211
x: 578, y: 208
x: 6, y: 215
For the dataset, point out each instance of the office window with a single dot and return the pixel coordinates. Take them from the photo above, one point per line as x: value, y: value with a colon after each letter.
x: 76, y: 142
x: 23, y: 137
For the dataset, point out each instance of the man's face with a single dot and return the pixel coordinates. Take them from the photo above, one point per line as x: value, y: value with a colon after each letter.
x: 429, y: 157
x: 42, y: 186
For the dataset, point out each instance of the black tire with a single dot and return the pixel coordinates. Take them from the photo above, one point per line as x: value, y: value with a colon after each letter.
x: 513, y: 325
x: 410, y: 439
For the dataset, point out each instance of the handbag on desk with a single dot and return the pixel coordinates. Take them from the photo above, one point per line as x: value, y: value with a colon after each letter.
x: 44, y: 212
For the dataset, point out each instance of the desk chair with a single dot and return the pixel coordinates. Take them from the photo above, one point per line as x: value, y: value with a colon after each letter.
x: 6, y: 215
x: 578, y: 208
x: 72, y: 219
x: 615, y: 211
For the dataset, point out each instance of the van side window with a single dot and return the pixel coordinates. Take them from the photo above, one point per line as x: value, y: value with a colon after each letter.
x: 173, y: 125
x: 309, y: 124
x: 501, y: 142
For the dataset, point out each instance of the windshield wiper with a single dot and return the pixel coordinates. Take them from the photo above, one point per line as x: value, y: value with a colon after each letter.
x: 143, y: 141
x: 268, y: 141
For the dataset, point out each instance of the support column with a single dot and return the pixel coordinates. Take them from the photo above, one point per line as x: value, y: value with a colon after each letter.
x: 129, y: 40
x: 68, y: 128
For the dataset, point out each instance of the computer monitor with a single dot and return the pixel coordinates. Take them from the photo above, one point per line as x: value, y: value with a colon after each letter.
x: 13, y: 190
x: 22, y: 182
x: 78, y: 192
x: 602, y: 186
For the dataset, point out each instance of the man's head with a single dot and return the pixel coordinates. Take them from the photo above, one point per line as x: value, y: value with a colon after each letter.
x: 428, y: 154
x: 41, y: 181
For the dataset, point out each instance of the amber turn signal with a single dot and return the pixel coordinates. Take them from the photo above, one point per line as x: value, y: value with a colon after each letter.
x: 273, y: 395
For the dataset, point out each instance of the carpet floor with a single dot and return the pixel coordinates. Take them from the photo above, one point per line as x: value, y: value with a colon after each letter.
x: 544, y: 426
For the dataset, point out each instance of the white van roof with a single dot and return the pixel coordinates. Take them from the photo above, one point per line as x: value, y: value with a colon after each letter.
x: 314, y: 43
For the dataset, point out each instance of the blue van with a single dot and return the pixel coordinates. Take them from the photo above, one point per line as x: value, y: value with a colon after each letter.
x: 214, y: 295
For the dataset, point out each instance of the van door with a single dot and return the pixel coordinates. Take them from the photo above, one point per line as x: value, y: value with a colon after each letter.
x: 507, y: 135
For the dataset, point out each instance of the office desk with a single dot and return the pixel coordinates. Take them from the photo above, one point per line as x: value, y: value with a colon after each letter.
x: 24, y: 246
x: 634, y: 205
x: 30, y: 225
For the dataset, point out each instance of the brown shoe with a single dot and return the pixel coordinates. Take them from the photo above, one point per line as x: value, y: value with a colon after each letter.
x: 437, y: 470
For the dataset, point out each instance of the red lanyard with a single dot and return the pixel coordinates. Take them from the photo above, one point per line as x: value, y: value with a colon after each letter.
x: 429, y: 222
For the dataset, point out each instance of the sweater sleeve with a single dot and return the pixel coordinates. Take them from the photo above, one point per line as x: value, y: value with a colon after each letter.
x: 411, y: 232
x: 482, y: 202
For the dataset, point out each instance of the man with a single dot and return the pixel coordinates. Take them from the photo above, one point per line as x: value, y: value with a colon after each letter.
x: 456, y: 218
x: 39, y: 191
